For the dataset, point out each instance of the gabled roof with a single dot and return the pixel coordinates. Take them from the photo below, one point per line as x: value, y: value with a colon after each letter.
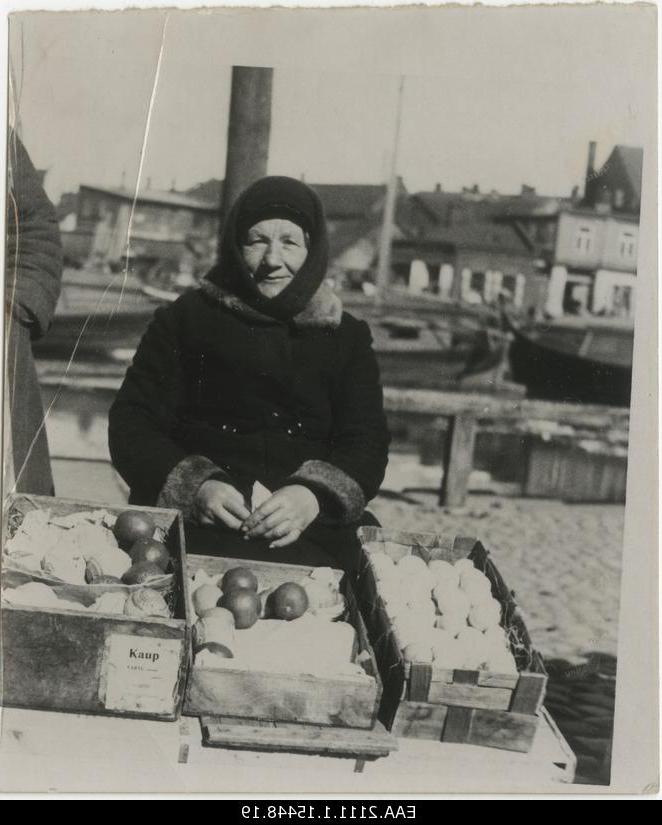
x: 340, y: 200
x: 483, y: 235
x: 632, y: 160
x: 349, y: 200
x: 461, y: 207
x: 154, y: 196
x: 209, y: 191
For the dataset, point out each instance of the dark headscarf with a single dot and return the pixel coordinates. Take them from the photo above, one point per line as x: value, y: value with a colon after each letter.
x: 273, y: 197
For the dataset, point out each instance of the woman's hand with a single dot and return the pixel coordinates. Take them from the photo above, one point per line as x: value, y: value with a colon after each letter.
x: 284, y: 516
x: 217, y: 501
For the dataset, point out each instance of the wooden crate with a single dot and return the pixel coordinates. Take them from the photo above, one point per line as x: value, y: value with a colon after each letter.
x: 464, y: 706
x: 566, y: 470
x: 96, y: 663
x: 346, y: 701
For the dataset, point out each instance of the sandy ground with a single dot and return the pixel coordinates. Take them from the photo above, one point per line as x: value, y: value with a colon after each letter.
x: 563, y: 561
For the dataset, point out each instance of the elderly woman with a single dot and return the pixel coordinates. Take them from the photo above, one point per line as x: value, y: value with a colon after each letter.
x: 258, y: 376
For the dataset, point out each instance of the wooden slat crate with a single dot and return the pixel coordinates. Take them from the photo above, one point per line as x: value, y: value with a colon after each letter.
x: 96, y: 663
x: 466, y: 706
x: 346, y: 701
x: 291, y: 737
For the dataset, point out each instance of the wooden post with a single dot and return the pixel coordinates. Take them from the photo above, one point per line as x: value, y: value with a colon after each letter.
x: 248, y: 132
x: 458, y: 459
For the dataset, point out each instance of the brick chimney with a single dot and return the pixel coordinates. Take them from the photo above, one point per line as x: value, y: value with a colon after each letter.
x: 437, y: 187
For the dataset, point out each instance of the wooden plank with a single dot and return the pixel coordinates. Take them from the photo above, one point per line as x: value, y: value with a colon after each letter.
x: 458, y: 724
x: 497, y: 680
x: 420, y: 678
x: 283, y: 697
x: 431, y: 403
x: 226, y: 732
x: 470, y: 696
x: 419, y: 720
x: 568, y: 761
x: 503, y: 730
x: 529, y: 693
x: 458, y: 460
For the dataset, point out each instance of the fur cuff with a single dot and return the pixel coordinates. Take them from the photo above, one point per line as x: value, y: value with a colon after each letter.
x: 184, y: 481
x: 344, y: 494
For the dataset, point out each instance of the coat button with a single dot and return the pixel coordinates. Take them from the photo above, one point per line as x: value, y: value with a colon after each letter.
x: 224, y: 427
x: 275, y: 415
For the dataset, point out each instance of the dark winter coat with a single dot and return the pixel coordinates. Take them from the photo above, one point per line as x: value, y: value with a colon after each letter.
x: 33, y: 272
x: 218, y: 389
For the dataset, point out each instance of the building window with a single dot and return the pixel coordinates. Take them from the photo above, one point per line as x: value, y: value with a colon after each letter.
x: 584, y: 239
x: 619, y: 199
x: 628, y: 245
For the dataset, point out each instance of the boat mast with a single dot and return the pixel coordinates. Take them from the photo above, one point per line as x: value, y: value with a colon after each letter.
x: 386, y: 237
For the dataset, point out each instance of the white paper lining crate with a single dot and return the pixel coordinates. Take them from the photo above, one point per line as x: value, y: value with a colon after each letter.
x: 345, y: 702
x: 92, y: 662
x: 463, y: 706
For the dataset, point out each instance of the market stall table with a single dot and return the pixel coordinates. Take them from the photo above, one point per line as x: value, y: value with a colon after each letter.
x: 57, y: 752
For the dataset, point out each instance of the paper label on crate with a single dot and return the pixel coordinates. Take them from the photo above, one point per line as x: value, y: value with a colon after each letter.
x: 139, y: 673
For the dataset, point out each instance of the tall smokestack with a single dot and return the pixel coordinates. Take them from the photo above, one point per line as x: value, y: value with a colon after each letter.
x: 590, y: 167
x: 249, y: 129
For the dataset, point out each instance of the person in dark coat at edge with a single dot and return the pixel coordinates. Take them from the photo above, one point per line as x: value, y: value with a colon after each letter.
x: 33, y: 273
x: 258, y: 375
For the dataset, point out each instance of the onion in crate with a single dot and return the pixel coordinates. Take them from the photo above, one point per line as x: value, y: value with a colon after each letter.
x: 417, y: 652
x: 411, y: 565
x: 478, y: 591
x: 501, y: 661
x: 407, y: 630
x: 475, y: 649
x: 474, y: 583
x: 423, y: 609
x: 485, y: 614
x: 381, y: 564
x: 455, y: 602
x: 205, y: 597
x: 446, y: 649
x: 417, y: 590
x: 496, y: 635
x: 463, y: 564
x: 450, y: 622
x: 443, y: 589
x: 324, y: 576
x: 444, y: 572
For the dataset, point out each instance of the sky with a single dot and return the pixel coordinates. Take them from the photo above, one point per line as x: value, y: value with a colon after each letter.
x: 497, y: 101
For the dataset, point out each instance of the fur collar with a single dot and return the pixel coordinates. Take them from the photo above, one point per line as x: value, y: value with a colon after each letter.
x: 323, y: 310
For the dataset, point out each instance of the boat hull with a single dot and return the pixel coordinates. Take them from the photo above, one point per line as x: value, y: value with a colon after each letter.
x: 553, y: 375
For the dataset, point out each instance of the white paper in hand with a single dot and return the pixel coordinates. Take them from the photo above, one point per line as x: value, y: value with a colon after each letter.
x: 259, y: 495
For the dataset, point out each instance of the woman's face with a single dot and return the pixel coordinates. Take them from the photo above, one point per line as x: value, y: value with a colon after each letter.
x: 274, y: 251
